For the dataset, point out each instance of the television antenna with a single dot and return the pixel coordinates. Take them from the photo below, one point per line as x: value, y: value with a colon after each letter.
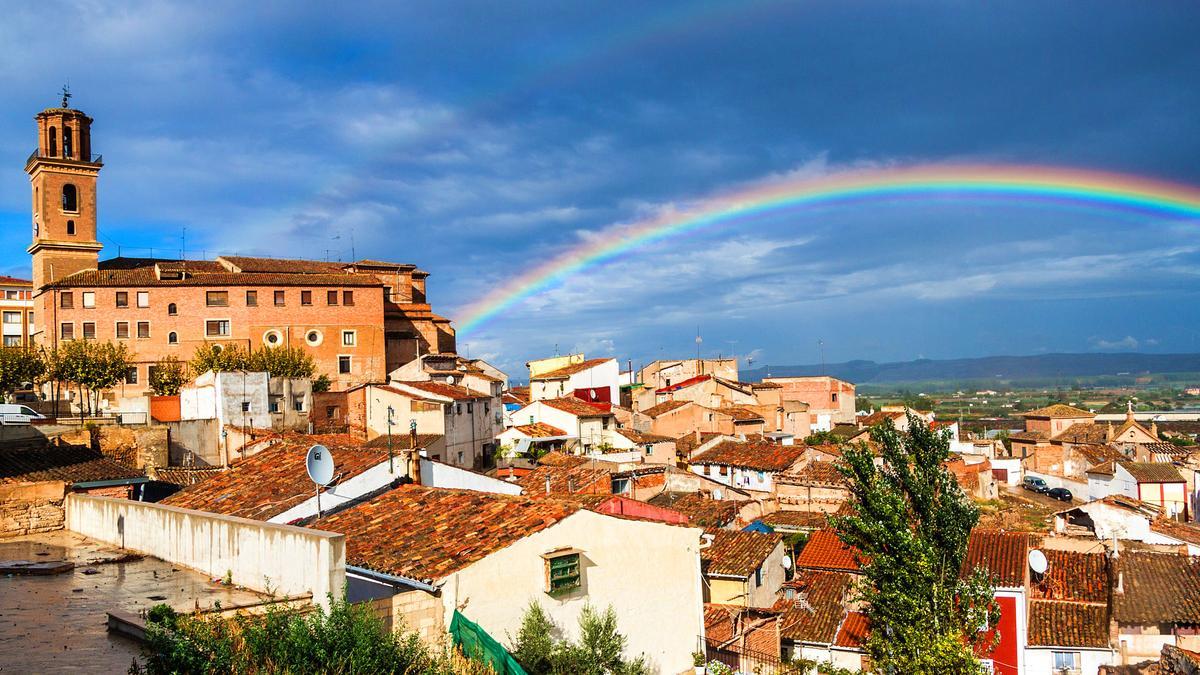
x: 319, y: 464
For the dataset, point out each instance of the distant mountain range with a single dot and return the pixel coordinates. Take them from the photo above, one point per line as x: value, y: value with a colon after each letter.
x: 996, y: 368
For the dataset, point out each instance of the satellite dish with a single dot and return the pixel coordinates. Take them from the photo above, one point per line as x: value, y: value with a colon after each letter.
x: 319, y: 464
x: 1038, y: 562
x: 787, y: 562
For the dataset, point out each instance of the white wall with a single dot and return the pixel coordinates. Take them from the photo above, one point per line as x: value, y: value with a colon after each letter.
x: 364, y: 483
x: 262, y: 556
x: 648, y: 572
x: 1041, y: 659
x: 439, y: 475
x: 606, y: 374
x: 745, y: 479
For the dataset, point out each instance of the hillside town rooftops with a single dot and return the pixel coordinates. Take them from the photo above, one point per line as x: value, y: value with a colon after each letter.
x: 737, y: 554
x: 684, y: 384
x: 1002, y: 554
x: 1057, y: 410
x: 664, y: 408
x: 1152, y: 472
x: 540, y: 430
x: 1084, y: 432
x: 740, y: 414
x: 1055, y: 623
x: 642, y: 437
x: 451, y: 391
x: 1157, y: 588
x: 816, y: 473
x: 812, y: 607
x: 701, y: 511
x: 569, y: 370
x: 825, y: 551
x: 854, y: 631
x: 795, y: 520
x: 753, y: 456
x: 71, y: 464
x: 1033, y: 436
x: 576, y: 407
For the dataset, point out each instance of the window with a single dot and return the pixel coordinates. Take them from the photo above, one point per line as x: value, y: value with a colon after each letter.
x: 298, y: 404
x: 172, y: 310
x: 216, y: 298
x: 344, y: 365
x: 11, y: 295
x: 89, y: 330
x: 143, y: 298
x: 470, y: 407
x: 562, y: 573
x: 122, y: 298
x: 1066, y: 661
x: 273, y: 404
x: 68, y: 146
x: 143, y: 330
x: 349, y: 338
x: 313, y: 338
x: 649, y: 449
x: 272, y: 338
x: 245, y: 406
x: 89, y: 299
x: 12, y: 317
x: 833, y: 397
x: 131, y: 375
x: 70, y: 227
x: 70, y: 198
x: 216, y: 327
x: 67, y: 331
x: 387, y: 293
x: 172, y: 338
x: 331, y: 297
x: 457, y: 408
x: 758, y: 576
x: 280, y: 298
x: 252, y: 298
x: 12, y: 340
x: 331, y: 411
x: 66, y: 300
x: 306, y: 297
x: 53, y: 142
x: 724, y: 470
x: 348, y: 298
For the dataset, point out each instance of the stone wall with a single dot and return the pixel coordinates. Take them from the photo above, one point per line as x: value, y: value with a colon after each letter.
x: 29, y: 508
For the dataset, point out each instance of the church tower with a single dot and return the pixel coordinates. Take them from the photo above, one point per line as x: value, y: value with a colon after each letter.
x: 63, y: 172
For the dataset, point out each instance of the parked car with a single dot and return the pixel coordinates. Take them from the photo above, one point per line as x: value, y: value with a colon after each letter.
x: 1035, y: 484
x: 12, y: 413
x: 1060, y: 493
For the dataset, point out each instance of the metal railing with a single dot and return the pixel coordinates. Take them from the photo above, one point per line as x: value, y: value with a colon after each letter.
x: 742, y: 660
x: 37, y: 154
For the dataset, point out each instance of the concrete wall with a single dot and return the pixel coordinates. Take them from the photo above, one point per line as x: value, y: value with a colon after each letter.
x: 28, y: 508
x: 653, y: 585
x: 439, y: 475
x: 195, y: 441
x: 1041, y: 660
x: 261, y: 556
x: 375, y: 478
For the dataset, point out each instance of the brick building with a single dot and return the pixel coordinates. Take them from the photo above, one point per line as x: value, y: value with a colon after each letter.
x: 358, y: 320
x: 16, y: 309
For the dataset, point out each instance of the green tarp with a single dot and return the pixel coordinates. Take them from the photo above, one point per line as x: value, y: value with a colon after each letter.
x: 477, y: 644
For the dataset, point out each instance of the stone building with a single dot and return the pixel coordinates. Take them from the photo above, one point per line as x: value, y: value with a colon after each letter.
x: 358, y: 320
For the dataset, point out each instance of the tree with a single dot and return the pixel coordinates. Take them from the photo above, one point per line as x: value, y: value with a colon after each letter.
x: 167, y: 376
x: 19, y: 365
x: 282, y: 362
x: 321, y: 383
x: 92, y: 367
x: 823, y: 438
x: 219, y: 358
x: 540, y: 649
x: 910, y: 523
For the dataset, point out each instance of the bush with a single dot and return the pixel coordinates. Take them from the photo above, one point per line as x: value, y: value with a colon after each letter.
x: 167, y: 376
x: 599, y: 650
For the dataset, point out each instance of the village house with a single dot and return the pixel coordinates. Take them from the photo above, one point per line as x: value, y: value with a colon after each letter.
x: 747, y: 466
x: 1155, y: 602
x: 357, y: 320
x: 593, y: 425
x: 405, y: 549
x: 1117, y: 517
x: 817, y: 486
x: 664, y: 373
x: 591, y: 380
x: 464, y: 418
x: 519, y: 440
x: 1159, y: 484
x: 1004, y: 555
x: 16, y: 311
x: 742, y: 568
x: 703, y: 510
x: 830, y: 400
x: 1069, y: 614
x: 678, y: 418
x: 818, y: 621
x: 652, y: 448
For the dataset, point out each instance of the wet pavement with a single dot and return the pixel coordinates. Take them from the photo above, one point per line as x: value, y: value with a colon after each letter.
x: 57, y: 623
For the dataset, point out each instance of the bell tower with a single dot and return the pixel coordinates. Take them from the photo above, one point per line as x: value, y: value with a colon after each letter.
x: 62, y: 173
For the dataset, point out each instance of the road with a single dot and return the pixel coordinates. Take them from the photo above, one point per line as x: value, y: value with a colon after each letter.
x: 1041, y: 498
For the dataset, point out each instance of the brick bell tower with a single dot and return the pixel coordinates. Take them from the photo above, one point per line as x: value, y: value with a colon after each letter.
x: 62, y: 172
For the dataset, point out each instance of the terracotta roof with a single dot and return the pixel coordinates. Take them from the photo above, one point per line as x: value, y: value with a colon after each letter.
x: 1067, y: 624
x: 808, y: 520
x: 1071, y: 575
x: 1157, y: 588
x: 572, y: 369
x: 737, y: 554
x: 1152, y: 472
x: 1106, y: 468
x: 576, y: 407
x: 517, y: 395
x: 1029, y: 436
x: 558, y: 458
x: 640, y: 437
x: 1058, y: 410
x: 141, y: 272
x: 879, y: 417
x: 1083, y: 432
x: 817, y: 473
x: 854, y: 631
x: 237, y: 263
x: 825, y: 551
x: 1186, y: 532
x: 403, y: 441
x: 67, y: 463
x: 274, y: 480
x: 816, y: 612
x: 185, y: 476
x: 14, y: 281
x: 1169, y: 449
x: 451, y: 391
x: 427, y: 533
x: 758, y: 629
x: 684, y: 384
x: 663, y: 408
x: 700, y: 510
x: 383, y: 264
x: 540, y: 430
x: 741, y: 414
x: 753, y: 456
x: 580, y: 478
x: 1003, y: 554
x: 1095, y: 454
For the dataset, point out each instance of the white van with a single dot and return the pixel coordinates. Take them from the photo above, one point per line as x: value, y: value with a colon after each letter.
x: 14, y: 413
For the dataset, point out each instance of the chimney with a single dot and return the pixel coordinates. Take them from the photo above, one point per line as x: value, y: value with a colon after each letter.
x: 547, y: 483
x: 1108, y: 433
x: 1154, y: 429
x: 1120, y: 582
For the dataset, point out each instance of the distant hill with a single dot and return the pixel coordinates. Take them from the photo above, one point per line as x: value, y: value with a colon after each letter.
x: 1007, y: 369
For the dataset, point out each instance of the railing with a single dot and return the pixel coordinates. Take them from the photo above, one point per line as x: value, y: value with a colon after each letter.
x: 742, y: 660
x: 37, y: 154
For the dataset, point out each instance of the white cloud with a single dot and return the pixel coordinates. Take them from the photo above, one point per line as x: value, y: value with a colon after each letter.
x: 1126, y: 343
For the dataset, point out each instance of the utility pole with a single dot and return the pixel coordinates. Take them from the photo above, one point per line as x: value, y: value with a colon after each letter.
x: 821, y: 351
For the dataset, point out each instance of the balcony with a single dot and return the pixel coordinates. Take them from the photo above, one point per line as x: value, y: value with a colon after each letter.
x: 36, y: 154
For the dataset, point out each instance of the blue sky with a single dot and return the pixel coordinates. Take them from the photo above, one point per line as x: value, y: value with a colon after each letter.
x: 477, y: 138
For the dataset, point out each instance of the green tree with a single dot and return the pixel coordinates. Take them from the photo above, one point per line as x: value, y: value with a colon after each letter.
x: 219, y: 358
x: 19, y: 365
x: 600, y: 650
x: 282, y: 362
x: 167, y: 376
x: 823, y: 438
x: 910, y: 523
x: 321, y: 383
x: 92, y: 367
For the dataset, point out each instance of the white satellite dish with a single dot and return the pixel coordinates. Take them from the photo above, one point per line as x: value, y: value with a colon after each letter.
x: 1038, y: 562
x: 787, y: 562
x: 319, y: 464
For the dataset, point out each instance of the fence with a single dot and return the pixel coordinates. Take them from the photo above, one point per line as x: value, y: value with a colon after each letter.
x: 742, y: 660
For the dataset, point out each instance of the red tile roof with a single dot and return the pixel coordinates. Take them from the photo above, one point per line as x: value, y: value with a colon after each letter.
x: 753, y: 456
x: 879, y: 417
x: 519, y: 395
x: 816, y: 611
x: 142, y: 272
x: 579, y: 478
x: 825, y: 551
x: 1157, y: 588
x: 540, y: 430
x: 664, y: 408
x: 758, y: 629
x: 701, y: 511
x: 426, y: 533
x: 1187, y: 532
x: 684, y: 384
x: 854, y: 631
x: 1152, y: 472
x: 644, y: 438
x: 1058, y: 410
x: 1003, y: 554
x: 1071, y: 575
x: 451, y: 391
x: 1067, y: 624
x: 817, y: 473
x: 14, y: 281
x: 572, y: 369
x: 1083, y: 432
x: 576, y: 407
x: 807, y: 520
x: 737, y: 554
x: 741, y: 414
x: 67, y: 463
x: 274, y: 480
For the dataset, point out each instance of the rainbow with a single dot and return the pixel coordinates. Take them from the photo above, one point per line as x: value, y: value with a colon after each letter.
x: 1039, y: 184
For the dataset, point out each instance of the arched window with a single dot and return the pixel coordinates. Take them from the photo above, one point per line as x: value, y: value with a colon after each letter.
x: 172, y: 338
x: 67, y: 145
x: 172, y: 310
x: 70, y: 227
x: 70, y: 198
x: 53, y: 144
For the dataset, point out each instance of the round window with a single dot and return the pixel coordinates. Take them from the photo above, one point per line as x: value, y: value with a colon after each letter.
x: 313, y: 337
x: 272, y: 338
